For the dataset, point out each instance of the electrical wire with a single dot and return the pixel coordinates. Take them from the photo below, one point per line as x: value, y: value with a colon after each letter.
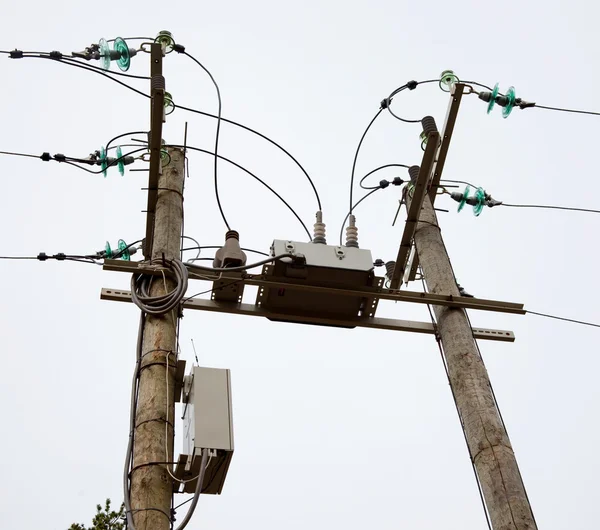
x: 264, y: 137
x: 550, y: 207
x: 374, y: 171
x: 18, y: 154
x: 160, y: 304
x: 219, y: 246
x: 241, y: 267
x: 460, y: 182
x: 121, y: 136
x: 207, y: 291
x: 254, y: 177
x: 202, y: 113
x: 536, y: 106
x: 565, y: 319
x: 388, y: 100
x: 352, y: 208
x: 356, y: 156
x: 199, y: 248
x: 216, y: 134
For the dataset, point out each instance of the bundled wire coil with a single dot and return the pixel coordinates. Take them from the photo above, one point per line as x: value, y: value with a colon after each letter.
x: 161, y: 304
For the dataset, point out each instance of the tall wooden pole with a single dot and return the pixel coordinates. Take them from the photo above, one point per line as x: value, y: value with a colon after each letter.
x: 151, y: 484
x: 488, y: 443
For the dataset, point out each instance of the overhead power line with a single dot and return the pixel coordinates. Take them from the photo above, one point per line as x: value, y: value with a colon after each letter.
x: 565, y: 319
x: 567, y: 110
x: 568, y: 208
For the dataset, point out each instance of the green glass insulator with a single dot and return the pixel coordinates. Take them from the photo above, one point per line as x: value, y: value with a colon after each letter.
x: 108, y: 251
x: 447, y: 80
x: 165, y: 39
x: 511, y: 97
x: 493, y: 99
x: 165, y: 158
x: 463, y: 201
x: 104, y: 54
x: 120, y: 163
x: 168, y: 103
x: 423, y: 137
x: 124, y: 61
x: 480, y: 196
x: 125, y: 255
x: 103, y: 163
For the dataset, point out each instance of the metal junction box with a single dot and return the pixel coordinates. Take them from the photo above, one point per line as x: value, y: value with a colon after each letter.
x: 337, y: 267
x: 207, y: 424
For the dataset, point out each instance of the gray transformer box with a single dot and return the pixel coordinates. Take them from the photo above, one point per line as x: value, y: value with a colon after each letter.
x: 208, y: 425
x: 320, y: 265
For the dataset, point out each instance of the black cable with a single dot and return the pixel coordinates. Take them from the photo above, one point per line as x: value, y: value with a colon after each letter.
x: 249, y: 129
x: 567, y: 110
x: 121, y: 136
x: 411, y: 85
x: 374, y: 171
x: 219, y: 246
x: 18, y: 257
x: 351, y: 209
x: 108, y: 164
x: 202, y: 113
x: 460, y: 182
x: 216, y: 134
x: 18, y: 154
x: 356, y: 155
x: 549, y: 207
x: 253, y: 176
x: 565, y: 319
x: 211, y: 290
x: 476, y: 84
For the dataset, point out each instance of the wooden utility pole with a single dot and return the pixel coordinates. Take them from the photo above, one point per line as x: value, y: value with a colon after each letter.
x: 151, y: 485
x: 488, y: 443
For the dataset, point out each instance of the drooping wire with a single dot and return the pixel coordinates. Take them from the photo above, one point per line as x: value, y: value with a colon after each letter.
x: 564, y: 319
x: 216, y: 134
x: 264, y: 137
x: 219, y: 246
x: 256, y: 178
x: 460, y: 182
x: 550, y: 207
x: 352, y: 208
x: 356, y: 156
x: 411, y: 86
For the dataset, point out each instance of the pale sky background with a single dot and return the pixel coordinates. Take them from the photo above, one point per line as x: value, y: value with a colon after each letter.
x: 334, y: 428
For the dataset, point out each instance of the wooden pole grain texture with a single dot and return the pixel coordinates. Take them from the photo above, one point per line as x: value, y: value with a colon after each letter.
x: 487, y: 439
x: 151, y: 485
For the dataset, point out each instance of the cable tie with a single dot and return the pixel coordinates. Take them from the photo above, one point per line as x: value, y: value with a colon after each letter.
x: 384, y: 184
x: 54, y: 54
x: 397, y: 181
x: 16, y: 54
x: 59, y: 157
x: 42, y: 256
x: 46, y: 157
x: 411, y: 85
x: 179, y: 48
x: 385, y: 103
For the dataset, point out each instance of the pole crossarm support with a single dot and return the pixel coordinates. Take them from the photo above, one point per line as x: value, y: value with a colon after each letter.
x: 118, y: 295
x: 411, y: 263
x: 419, y: 190
x: 381, y: 293
x: 157, y: 93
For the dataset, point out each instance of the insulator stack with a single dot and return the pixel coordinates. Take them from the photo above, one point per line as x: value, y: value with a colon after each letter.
x: 352, y: 232
x: 389, y: 268
x: 413, y: 171
x: 429, y: 126
x: 319, y: 229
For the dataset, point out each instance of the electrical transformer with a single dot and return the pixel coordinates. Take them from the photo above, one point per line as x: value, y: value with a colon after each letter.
x: 319, y: 265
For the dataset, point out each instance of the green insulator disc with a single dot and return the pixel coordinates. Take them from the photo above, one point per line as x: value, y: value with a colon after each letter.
x: 125, y: 255
x: 447, y: 80
x: 168, y: 103
x: 108, y: 251
x: 423, y: 137
x: 165, y: 39
x: 493, y: 100
x: 511, y: 96
x: 480, y: 196
x: 165, y: 158
x: 104, y: 54
x: 124, y: 61
x: 463, y: 201
x: 103, y: 163
x: 120, y: 163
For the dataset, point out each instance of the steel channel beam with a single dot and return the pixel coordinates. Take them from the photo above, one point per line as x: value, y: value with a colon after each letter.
x: 117, y: 295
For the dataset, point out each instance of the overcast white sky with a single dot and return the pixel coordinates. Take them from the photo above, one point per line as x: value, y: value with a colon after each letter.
x: 333, y: 428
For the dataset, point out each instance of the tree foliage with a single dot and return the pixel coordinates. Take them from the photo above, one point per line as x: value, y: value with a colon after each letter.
x: 106, y: 519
